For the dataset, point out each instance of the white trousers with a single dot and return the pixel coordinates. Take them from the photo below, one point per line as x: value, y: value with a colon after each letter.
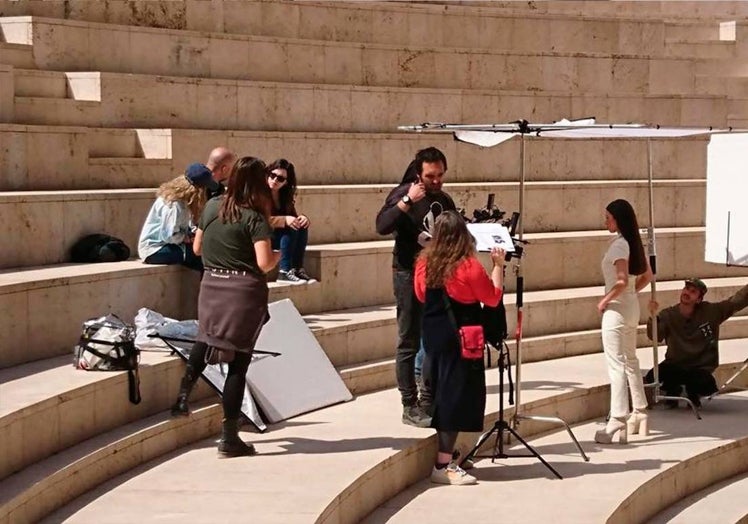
x: 620, y: 321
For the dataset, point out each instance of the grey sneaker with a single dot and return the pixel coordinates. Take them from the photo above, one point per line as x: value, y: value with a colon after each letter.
x: 289, y: 277
x: 303, y: 275
x: 415, y: 416
x: 453, y: 475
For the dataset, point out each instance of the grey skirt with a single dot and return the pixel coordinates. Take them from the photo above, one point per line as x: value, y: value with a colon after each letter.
x: 231, y: 309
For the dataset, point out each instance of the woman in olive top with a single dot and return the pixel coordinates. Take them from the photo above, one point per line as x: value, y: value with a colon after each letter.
x: 234, y: 239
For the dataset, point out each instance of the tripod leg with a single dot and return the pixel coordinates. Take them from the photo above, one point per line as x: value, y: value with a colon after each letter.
x: 560, y: 422
x: 482, y: 440
x: 535, y: 453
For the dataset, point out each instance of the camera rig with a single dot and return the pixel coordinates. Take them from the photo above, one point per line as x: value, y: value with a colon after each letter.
x: 492, y: 214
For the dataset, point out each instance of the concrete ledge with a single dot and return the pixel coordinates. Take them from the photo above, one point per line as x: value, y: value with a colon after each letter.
x: 42, y: 488
x: 48, y: 406
x: 113, y: 158
x: 65, y: 45
x: 715, y: 501
x: 53, y: 221
x: 345, y: 213
x: 201, y: 103
x: 46, y: 306
x: 685, y: 478
x: 382, y: 456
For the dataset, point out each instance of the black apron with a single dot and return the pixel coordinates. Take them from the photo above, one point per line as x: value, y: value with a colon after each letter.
x: 459, y: 385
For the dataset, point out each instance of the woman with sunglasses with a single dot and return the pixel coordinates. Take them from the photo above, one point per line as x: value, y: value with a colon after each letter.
x: 290, y: 229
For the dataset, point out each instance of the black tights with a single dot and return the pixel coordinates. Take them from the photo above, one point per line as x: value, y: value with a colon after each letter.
x: 233, y: 388
x: 446, y: 440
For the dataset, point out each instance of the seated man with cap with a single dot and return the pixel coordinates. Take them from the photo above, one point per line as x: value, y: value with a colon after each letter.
x: 691, y: 331
x: 166, y: 237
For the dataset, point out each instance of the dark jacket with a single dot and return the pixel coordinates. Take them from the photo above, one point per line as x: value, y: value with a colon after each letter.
x: 407, y: 226
x: 693, y: 342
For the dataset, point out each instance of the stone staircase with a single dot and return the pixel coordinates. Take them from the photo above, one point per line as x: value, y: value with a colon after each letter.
x: 101, y: 102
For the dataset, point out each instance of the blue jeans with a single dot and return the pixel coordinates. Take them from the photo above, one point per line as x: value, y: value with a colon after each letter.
x: 176, y: 254
x: 419, y: 359
x: 292, y: 244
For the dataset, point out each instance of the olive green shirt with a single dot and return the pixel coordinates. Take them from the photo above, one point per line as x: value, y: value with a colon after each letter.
x: 692, y: 342
x: 231, y: 245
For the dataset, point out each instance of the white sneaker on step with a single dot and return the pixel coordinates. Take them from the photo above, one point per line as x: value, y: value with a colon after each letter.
x: 453, y: 475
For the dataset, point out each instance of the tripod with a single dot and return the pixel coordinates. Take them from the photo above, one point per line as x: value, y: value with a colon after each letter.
x: 501, y: 425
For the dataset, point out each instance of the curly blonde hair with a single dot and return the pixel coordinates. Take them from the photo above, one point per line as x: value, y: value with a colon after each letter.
x: 180, y: 189
x: 451, y: 244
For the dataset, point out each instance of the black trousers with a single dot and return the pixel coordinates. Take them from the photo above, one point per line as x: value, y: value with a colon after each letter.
x: 698, y: 382
x: 409, y: 313
x: 233, y: 388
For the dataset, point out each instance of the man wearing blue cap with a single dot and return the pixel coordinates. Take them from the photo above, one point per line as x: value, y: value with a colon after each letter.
x: 691, y: 331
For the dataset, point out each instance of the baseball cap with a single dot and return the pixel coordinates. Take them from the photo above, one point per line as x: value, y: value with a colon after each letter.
x: 698, y: 284
x: 200, y: 176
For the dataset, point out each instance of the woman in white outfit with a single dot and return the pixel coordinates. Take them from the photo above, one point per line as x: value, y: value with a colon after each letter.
x: 626, y: 271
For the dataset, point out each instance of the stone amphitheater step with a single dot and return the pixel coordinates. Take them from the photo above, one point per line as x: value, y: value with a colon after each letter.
x: 680, y: 455
x: 387, y: 23
x: 723, y: 502
x: 53, y: 221
x: 379, y: 373
x: 240, y: 104
x: 16, y: 55
x: 83, y: 46
x: 381, y: 456
x: 75, y: 156
x: 708, y: 49
x: 121, y: 212
x: 47, y: 305
x: 730, y: 86
x: 48, y: 406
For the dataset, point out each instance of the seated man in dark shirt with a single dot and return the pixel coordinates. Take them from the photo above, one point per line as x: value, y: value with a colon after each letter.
x: 691, y: 331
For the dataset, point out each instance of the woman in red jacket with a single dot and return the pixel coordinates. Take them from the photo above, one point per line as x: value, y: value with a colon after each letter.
x: 452, y: 283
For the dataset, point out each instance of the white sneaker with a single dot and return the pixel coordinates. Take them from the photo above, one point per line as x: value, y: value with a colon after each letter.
x: 452, y: 474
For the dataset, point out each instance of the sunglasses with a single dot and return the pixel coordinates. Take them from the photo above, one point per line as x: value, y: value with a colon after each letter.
x: 279, y: 178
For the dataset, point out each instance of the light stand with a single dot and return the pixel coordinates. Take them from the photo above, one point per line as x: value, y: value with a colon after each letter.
x: 651, y: 249
x: 518, y: 416
x: 501, y: 425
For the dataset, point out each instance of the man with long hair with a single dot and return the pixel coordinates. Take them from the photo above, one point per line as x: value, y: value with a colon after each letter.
x: 408, y: 213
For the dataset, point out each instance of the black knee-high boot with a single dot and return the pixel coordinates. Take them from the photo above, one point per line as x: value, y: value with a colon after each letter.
x: 230, y: 444
x: 181, y: 407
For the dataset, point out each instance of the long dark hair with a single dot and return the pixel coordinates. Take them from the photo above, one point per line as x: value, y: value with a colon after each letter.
x: 411, y: 173
x: 451, y: 244
x: 287, y: 194
x: 247, y: 188
x: 628, y: 226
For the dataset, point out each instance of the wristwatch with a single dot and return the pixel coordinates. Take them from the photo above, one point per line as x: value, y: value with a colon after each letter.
x: 406, y: 200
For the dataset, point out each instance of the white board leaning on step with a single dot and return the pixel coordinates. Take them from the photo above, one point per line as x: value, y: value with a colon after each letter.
x: 727, y: 200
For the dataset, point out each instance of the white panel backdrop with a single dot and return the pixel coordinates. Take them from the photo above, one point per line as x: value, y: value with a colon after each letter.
x: 727, y: 200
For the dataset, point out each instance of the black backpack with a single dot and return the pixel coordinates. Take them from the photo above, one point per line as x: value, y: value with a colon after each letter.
x: 99, y: 248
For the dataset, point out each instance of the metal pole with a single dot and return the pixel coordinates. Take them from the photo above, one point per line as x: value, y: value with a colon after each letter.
x: 652, y: 251
x: 651, y: 248
x: 518, y: 333
x: 520, y: 283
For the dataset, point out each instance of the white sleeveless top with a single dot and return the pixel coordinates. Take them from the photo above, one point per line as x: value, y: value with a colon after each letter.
x: 617, y: 249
